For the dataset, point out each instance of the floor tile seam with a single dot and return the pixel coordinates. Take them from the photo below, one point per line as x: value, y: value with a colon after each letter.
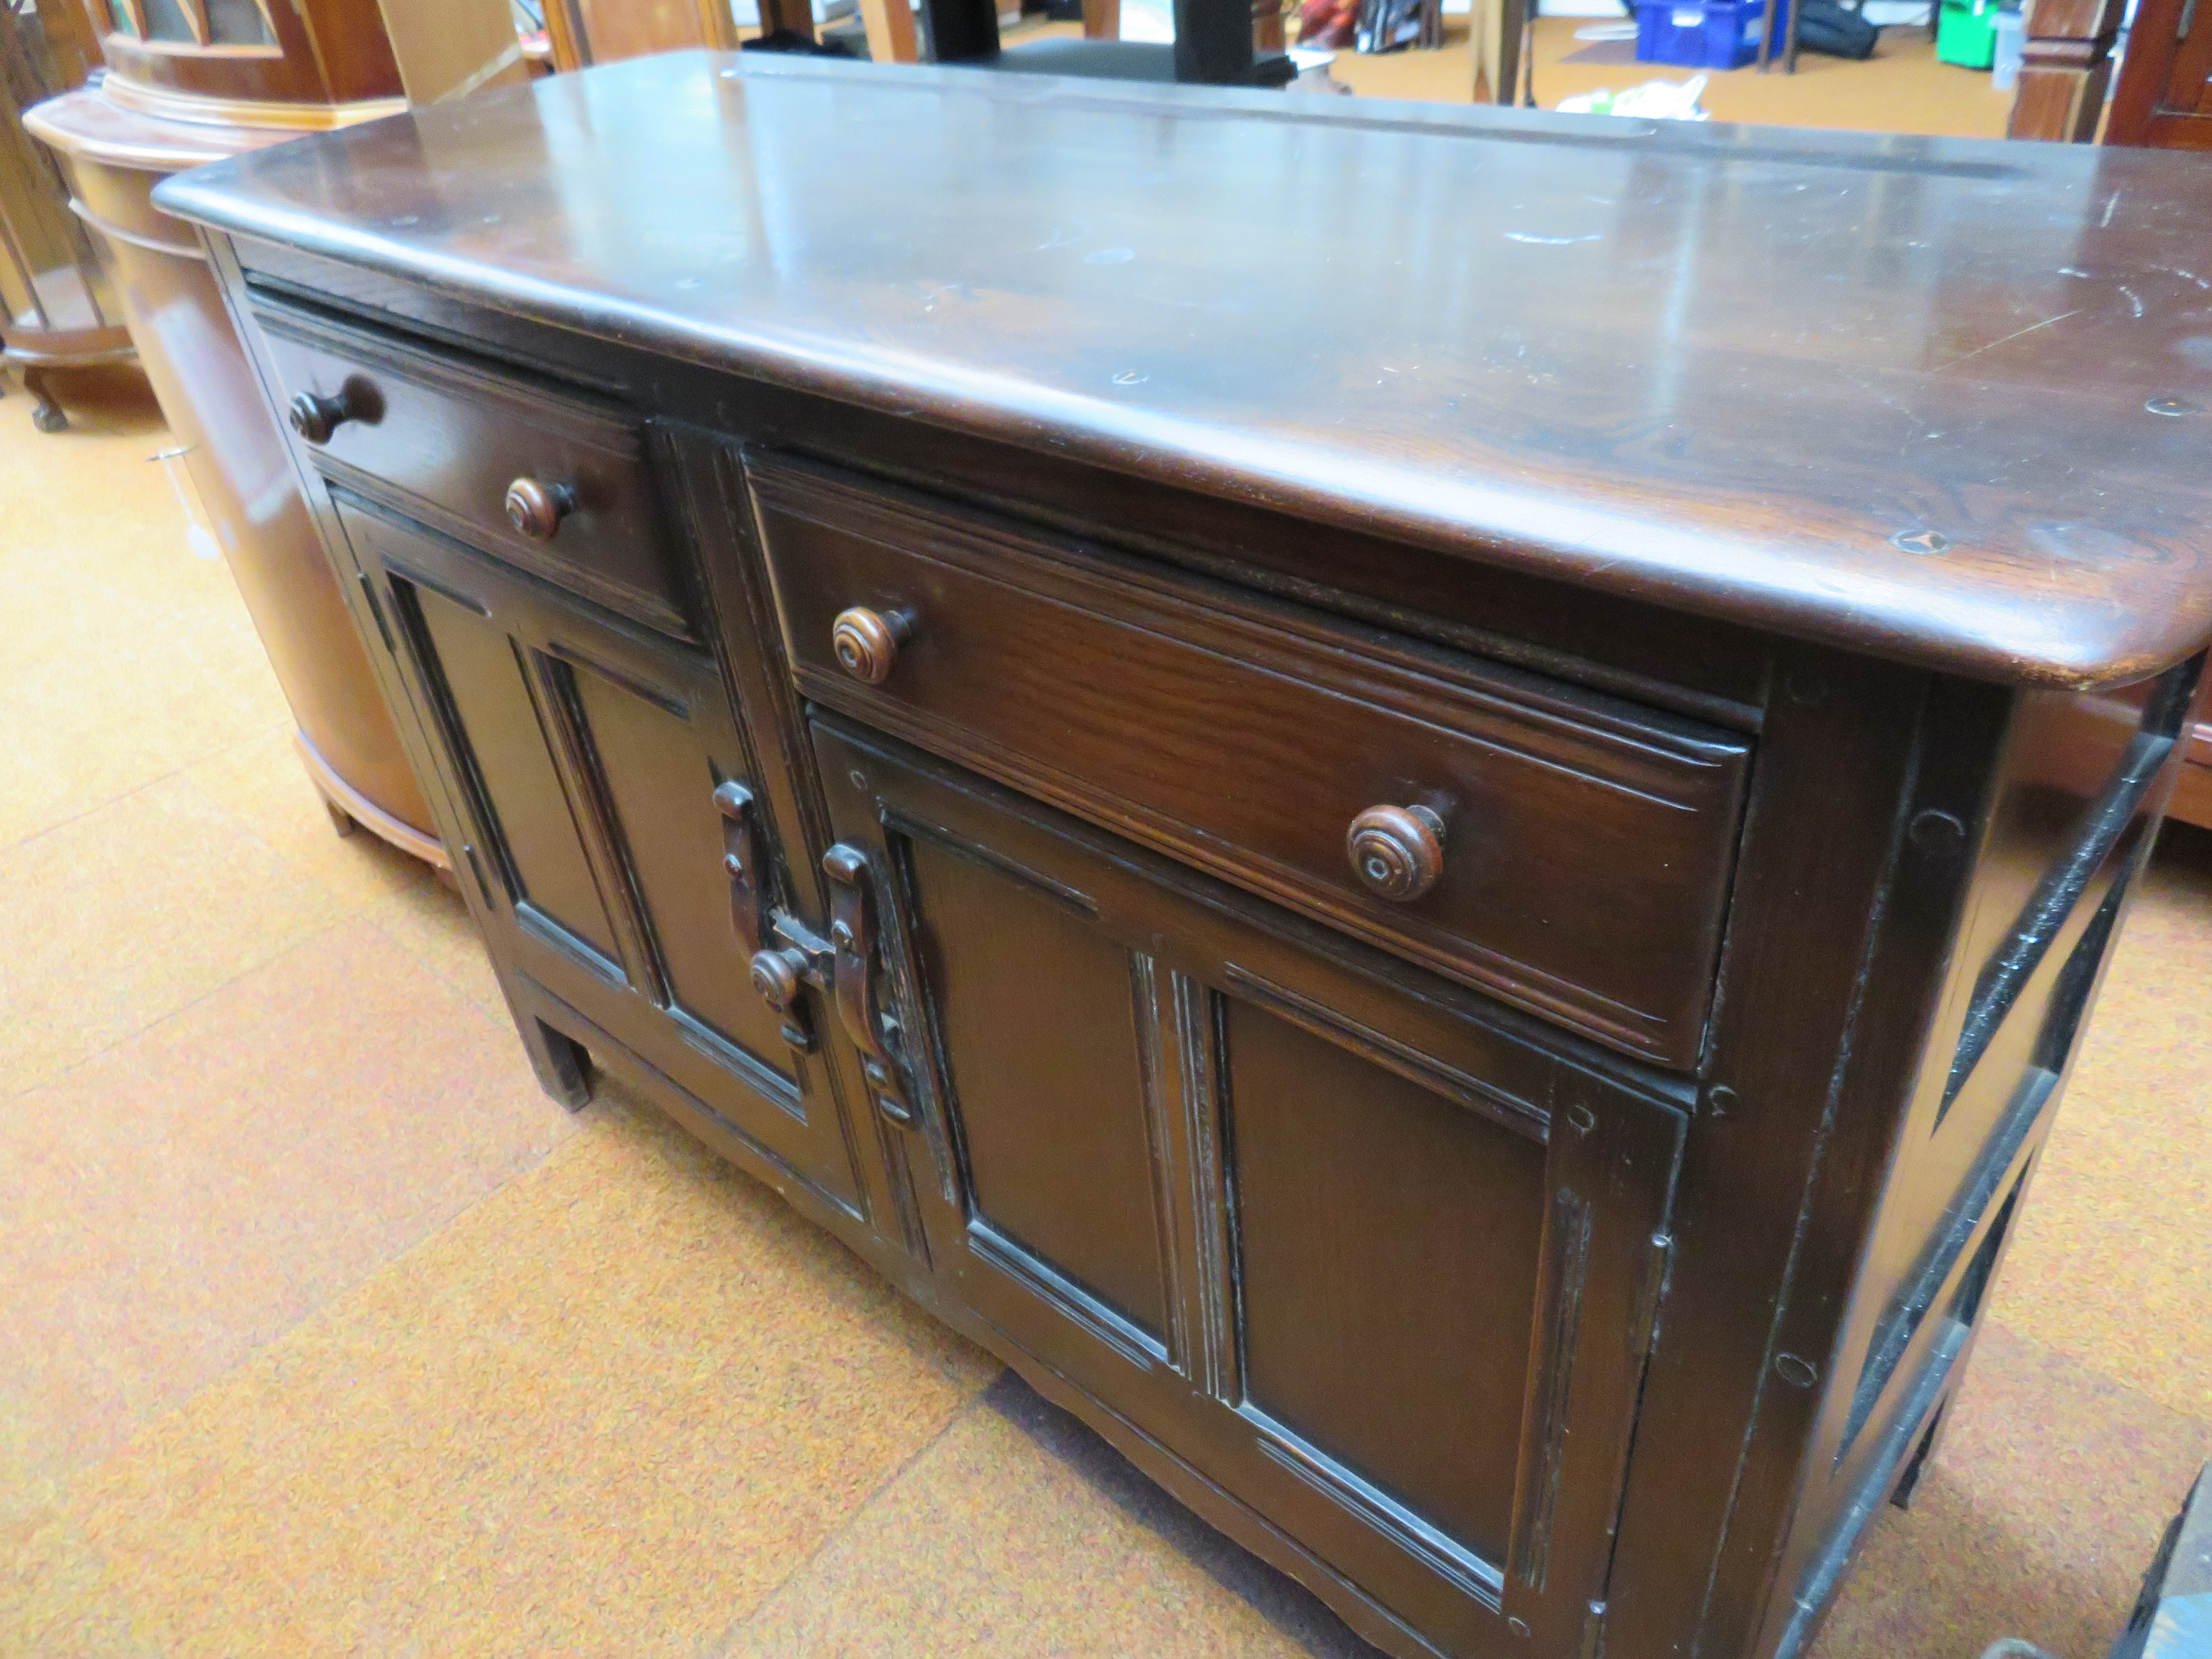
x: 186, y: 1007
x: 251, y: 828
x: 327, y: 1310
x: 723, y: 1644
x: 427, y: 962
x: 2200, y: 1413
x: 135, y: 789
x: 100, y: 806
x: 2135, y: 1391
x: 170, y: 605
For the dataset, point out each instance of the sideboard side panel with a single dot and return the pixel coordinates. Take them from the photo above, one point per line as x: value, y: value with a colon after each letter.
x: 1859, y: 1144
x: 1834, y: 765
x: 2072, y: 788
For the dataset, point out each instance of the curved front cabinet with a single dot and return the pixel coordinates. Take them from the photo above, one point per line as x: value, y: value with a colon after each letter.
x: 212, y: 401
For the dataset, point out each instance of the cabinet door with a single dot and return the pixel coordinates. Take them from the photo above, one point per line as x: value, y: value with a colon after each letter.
x: 588, y: 755
x: 1377, y: 1258
x: 2163, y: 96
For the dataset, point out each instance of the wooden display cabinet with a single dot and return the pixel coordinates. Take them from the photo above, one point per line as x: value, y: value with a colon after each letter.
x: 300, y: 64
x: 191, y: 82
x: 57, y: 305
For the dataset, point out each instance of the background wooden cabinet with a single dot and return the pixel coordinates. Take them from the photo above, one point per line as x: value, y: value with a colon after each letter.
x: 587, y: 32
x: 238, y: 53
x: 2163, y: 97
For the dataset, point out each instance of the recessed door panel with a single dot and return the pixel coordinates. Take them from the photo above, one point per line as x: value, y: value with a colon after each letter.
x: 1036, y: 1014
x: 660, y: 782
x: 1388, y: 1241
x: 535, y: 835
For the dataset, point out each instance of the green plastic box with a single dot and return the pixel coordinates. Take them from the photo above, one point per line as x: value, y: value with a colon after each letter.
x: 1966, y: 34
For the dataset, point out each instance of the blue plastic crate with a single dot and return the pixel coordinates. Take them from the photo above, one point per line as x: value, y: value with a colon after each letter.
x: 1722, y: 34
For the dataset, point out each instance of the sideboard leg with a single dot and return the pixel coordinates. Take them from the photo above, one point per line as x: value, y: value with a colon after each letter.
x: 562, y: 1065
x: 1901, y: 1494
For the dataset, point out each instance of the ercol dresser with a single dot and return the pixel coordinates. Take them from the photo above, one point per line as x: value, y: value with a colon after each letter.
x: 1423, y: 804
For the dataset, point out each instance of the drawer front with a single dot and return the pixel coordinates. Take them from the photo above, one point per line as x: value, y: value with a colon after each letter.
x: 1584, y: 843
x: 447, y: 441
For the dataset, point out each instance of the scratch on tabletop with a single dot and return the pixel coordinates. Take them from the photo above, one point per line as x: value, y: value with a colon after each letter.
x: 2009, y: 338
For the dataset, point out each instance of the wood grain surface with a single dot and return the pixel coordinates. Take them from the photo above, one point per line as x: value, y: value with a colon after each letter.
x: 1891, y: 393
x: 1589, y: 842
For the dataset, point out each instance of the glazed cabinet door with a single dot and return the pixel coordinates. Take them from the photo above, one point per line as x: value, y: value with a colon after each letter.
x: 613, y: 831
x: 1373, y: 1256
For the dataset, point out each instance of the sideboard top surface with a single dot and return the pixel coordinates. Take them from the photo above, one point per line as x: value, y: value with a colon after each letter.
x: 1948, y: 402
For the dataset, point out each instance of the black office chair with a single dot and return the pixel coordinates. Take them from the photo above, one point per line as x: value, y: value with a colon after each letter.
x: 1213, y: 47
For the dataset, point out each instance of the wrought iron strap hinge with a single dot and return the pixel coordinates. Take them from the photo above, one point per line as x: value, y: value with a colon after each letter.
x: 854, y: 943
x: 785, y: 955
x: 781, y: 953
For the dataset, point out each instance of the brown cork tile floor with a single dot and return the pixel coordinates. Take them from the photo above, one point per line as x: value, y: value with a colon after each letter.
x: 314, y: 1342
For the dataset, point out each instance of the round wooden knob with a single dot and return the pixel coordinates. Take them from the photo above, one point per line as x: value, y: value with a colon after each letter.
x: 776, y: 976
x: 1397, y: 852
x: 536, y: 510
x: 867, y: 641
x: 315, y: 416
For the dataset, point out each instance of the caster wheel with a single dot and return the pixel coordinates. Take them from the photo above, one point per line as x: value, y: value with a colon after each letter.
x: 50, y: 420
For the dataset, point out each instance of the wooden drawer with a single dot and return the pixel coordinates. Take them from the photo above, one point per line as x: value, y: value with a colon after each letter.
x: 447, y: 442
x: 1586, y: 842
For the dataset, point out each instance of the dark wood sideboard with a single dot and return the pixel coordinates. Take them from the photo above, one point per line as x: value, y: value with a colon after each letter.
x: 1422, y: 803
